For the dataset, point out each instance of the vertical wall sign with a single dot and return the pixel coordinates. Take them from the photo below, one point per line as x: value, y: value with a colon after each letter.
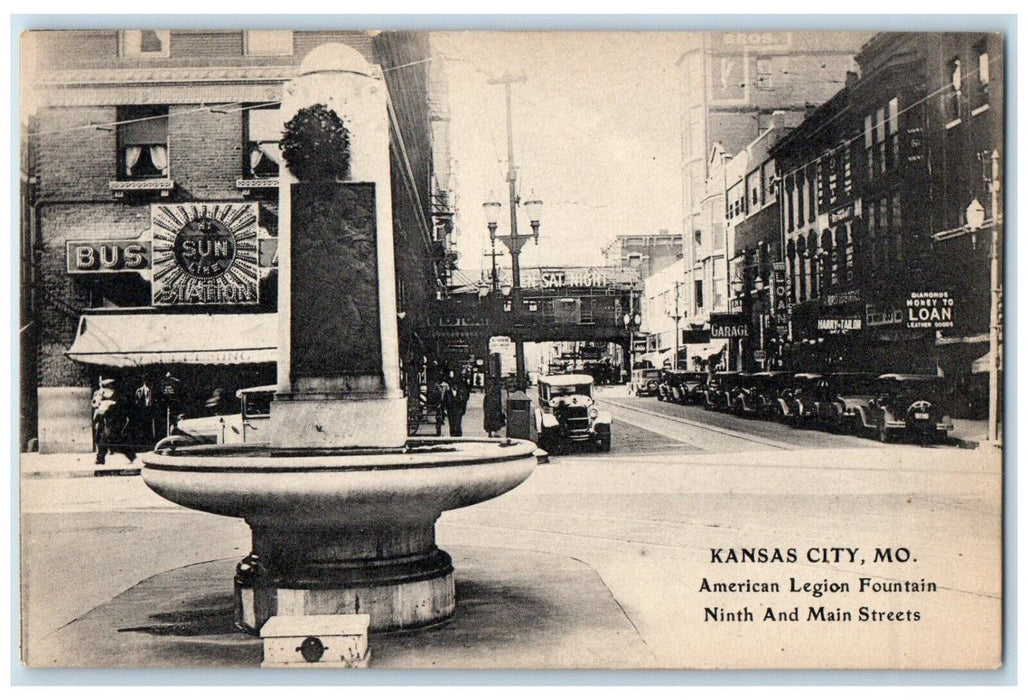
x: 205, y: 254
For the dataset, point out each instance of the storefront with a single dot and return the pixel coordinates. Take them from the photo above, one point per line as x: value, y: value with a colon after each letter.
x: 186, y: 317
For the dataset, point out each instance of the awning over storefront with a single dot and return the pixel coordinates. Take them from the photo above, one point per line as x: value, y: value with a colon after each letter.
x: 134, y: 340
x: 981, y: 365
x: 707, y: 349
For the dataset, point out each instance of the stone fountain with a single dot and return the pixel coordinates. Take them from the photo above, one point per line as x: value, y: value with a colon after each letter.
x: 342, y: 505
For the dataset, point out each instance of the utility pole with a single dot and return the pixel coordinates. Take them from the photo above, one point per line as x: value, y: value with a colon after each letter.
x: 678, y: 334
x: 515, y: 241
x: 996, y: 288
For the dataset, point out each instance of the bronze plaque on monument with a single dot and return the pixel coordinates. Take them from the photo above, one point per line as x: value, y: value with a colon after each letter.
x: 335, y: 283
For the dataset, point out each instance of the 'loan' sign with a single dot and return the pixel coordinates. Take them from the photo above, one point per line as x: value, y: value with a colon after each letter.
x: 929, y: 310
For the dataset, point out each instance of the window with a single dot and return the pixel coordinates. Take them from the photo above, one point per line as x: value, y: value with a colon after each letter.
x: 698, y: 293
x: 982, y: 95
x: 268, y: 42
x: 753, y: 187
x: 892, y: 127
x: 843, y: 254
x: 263, y: 132
x: 896, y: 228
x: 814, y: 268
x: 801, y: 269
x: 869, y: 152
x: 811, y: 176
x: 880, y: 140
x: 770, y: 181
x: 142, y: 142
x: 829, y: 272
x: 872, y: 234
x: 764, y: 74
x: 153, y: 43
x: 983, y: 64
x: 800, y: 181
x: 952, y: 96
x: 790, y: 253
x: 787, y: 202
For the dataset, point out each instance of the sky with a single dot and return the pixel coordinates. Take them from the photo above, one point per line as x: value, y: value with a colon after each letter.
x: 596, y: 137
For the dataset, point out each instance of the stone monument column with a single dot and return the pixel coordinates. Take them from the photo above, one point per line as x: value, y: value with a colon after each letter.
x: 338, y: 368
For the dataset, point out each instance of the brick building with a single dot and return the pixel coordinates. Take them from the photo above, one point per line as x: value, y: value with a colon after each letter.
x: 734, y: 86
x: 131, y: 135
x: 876, y: 184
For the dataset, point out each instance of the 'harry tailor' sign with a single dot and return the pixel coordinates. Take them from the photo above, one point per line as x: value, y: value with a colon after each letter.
x: 929, y: 310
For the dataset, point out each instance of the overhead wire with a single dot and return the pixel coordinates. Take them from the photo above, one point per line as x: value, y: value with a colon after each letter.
x: 864, y: 132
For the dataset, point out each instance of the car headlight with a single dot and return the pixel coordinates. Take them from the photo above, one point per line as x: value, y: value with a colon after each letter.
x: 593, y: 413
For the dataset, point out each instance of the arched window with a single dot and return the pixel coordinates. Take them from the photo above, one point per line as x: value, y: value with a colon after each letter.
x: 843, y: 253
x: 828, y: 267
x: 790, y: 257
x: 814, y: 267
x: 801, y: 269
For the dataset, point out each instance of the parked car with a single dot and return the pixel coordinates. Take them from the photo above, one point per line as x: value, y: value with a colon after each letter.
x: 850, y: 395
x: 664, y: 384
x: 797, y: 402
x: 692, y: 387
x: 757, y: 395
x: 645, y: 382
x: 568, y: 414
x: 675, y: 384
x: 911, y: 405
x: 249, y: 426
x: 722, y: 390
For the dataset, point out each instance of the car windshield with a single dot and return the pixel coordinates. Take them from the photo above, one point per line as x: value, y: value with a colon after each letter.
x: 649, y: 373
x: 570, y: 390
x: 257, y: 404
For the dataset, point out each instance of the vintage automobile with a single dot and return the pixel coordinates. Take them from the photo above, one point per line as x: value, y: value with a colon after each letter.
x: 758, y: 394
x: 797, y: 401
x: 645, y: 382
x: 722, y: 390
x: 670, y: 386
x: 249, y: 426
x: 850, y: 395
x: 691, y: 387
x: 912, y: 405
x: 568, y: 414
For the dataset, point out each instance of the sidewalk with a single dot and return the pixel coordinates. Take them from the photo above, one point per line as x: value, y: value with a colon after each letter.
x: 968, y: 434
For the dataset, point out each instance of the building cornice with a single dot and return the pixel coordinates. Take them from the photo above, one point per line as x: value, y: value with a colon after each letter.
x: 155, y: 76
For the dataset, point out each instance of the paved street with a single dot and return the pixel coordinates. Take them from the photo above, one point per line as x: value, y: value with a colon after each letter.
x: 678, y: 483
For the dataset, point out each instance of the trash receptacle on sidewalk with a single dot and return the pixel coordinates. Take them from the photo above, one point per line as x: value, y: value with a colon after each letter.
x: 519, y: 416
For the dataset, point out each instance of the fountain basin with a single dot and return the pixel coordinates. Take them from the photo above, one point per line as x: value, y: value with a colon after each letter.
x: 342, y: 530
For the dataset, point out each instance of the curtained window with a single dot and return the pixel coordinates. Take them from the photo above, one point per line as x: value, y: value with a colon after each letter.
x: 142, y: 142
x: 263, y: 133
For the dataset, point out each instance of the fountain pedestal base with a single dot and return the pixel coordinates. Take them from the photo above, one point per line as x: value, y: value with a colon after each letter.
x: 394, y: 574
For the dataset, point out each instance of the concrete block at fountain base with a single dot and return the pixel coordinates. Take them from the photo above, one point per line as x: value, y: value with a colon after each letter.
x: 309, y: 421
x: 316, y: 641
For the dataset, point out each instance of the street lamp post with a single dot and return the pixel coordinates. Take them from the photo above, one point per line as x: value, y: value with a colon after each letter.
x: 975, y: 216
x: 514, y: 243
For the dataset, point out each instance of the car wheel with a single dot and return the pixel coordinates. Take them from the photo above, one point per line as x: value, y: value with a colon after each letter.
x: 605, y: 443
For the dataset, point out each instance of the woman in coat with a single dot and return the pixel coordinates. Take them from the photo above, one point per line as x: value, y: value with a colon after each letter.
x: 492, y: 406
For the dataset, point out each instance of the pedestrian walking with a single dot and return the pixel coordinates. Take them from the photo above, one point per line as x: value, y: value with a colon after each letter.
x: 492, y: 406
x: 111, y: 422
x: 455, y: 402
